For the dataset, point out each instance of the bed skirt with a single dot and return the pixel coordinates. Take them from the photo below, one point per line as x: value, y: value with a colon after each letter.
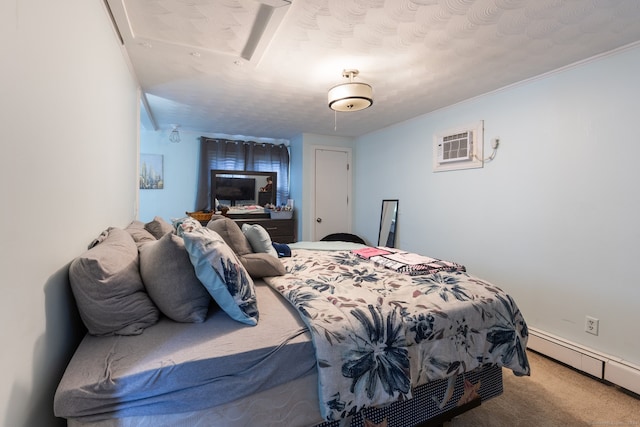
x: 424, y: 405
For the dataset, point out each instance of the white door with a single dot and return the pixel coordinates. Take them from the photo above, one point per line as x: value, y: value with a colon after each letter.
x: 332, y: 191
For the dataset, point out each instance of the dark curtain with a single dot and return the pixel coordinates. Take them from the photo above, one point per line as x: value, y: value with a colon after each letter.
x: 241, y: 155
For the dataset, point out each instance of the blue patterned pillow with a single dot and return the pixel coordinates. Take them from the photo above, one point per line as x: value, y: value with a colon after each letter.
x: 185, y: 224
x: 220, y: 271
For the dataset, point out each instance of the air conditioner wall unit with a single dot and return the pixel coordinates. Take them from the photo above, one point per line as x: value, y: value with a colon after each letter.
x: 455, y: 148
x: 460, y: 148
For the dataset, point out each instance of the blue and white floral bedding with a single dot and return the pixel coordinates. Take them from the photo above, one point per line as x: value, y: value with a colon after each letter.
x: 378, y: 333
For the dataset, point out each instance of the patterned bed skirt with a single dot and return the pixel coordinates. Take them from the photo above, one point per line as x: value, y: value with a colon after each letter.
x: 424, y: 405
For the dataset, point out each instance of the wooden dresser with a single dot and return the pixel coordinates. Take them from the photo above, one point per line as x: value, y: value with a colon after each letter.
x: 280, y: 230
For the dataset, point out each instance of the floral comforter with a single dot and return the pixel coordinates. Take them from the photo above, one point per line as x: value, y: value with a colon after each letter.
x: 379, y: 333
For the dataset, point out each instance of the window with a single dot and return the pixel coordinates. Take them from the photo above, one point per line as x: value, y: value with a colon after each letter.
x: 241, y: 155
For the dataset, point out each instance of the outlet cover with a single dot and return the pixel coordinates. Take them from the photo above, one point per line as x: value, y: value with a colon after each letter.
x: 591, y: 325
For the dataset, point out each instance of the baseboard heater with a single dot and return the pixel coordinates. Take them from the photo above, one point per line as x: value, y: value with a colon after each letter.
x: 599, y: 365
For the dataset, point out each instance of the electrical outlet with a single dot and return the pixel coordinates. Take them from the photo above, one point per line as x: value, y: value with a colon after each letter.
x: 591, y: 325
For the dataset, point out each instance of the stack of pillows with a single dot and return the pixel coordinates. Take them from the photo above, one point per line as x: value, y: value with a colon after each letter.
x: 129, y: 277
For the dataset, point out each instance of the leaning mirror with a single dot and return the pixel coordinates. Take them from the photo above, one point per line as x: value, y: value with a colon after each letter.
x: 388, y: 219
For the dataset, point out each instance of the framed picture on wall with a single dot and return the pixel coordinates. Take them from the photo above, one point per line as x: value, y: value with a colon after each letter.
x: 151, y: 174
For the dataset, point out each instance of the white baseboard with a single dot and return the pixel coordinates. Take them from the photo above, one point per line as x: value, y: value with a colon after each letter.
x: 600, y: 365
x: 623, y: 374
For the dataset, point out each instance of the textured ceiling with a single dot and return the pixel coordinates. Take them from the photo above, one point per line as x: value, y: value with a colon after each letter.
x: 262, y: 68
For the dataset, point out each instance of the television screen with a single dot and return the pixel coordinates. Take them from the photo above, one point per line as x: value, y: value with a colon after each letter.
x: 234, y: 189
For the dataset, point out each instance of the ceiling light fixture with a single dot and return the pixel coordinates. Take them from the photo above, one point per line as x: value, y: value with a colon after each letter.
x: 350, y: 96
x: 174, y: 135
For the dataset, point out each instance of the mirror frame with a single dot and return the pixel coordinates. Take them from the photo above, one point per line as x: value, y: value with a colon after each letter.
x: 388, y: 223
x: 236, y: 173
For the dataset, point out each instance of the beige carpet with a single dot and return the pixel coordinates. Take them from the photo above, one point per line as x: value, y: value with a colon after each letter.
x: 554, y: 395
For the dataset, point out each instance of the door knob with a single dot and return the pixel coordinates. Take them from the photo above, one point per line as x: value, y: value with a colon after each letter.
x: 318, y: 220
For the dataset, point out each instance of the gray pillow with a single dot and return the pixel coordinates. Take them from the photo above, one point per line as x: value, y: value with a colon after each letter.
x: 215, y: 217
x: 139, y: 233
x: 158, y: 227
x: 262, y: 265
x: 171, y: 282
x: 231, y: 234
x: 109, y: 292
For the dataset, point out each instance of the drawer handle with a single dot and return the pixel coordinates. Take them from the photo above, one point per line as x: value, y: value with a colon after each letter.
x: 271, y: 228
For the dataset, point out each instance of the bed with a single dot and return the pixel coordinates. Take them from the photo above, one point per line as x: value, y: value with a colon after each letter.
x: 342, y: 339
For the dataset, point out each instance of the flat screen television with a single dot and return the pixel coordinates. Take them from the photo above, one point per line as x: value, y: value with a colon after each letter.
x: 235, y: 189
x: 232, y: 187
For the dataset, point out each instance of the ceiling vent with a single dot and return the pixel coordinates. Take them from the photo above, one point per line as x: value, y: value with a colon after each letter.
x: 241, y: 29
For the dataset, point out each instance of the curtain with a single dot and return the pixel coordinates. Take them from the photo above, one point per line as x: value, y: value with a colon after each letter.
x: 241, y: 155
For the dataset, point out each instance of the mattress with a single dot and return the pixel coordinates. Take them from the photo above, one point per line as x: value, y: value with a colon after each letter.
x: 292, y: 404
x: 175, y: 367
x: 295, y: 404
x: 326, y: 246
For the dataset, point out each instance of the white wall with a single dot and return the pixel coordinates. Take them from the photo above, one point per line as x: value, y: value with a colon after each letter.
x: 67, y: 171
x: 553, y: 220
x: 180, y: 175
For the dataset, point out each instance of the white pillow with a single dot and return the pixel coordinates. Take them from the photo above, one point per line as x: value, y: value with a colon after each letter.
x: 259, y: 239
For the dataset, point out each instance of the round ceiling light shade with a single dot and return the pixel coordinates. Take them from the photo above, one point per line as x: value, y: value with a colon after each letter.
x: 350, y: 96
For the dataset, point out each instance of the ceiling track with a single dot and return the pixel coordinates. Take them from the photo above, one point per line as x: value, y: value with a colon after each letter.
x: 113, y: 22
